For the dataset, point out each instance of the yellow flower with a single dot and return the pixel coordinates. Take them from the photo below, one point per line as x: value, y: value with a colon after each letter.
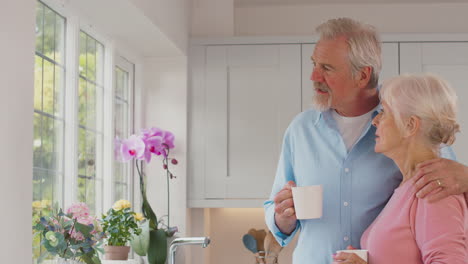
x: 41, y: 204
x: 139, y: 217
x: 37, y: 205
x: 46, y: 203
x: 121, y: 204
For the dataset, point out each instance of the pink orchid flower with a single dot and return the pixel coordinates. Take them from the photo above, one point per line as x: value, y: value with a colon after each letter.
x: 133, y: 147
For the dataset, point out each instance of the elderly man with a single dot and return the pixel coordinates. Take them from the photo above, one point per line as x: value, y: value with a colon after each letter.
x: 333, y: 146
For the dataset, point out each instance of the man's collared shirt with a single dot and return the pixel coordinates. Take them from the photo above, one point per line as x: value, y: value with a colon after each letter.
x: 356, y: 184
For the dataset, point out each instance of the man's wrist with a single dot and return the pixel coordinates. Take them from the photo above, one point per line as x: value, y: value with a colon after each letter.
x: 285, y: 227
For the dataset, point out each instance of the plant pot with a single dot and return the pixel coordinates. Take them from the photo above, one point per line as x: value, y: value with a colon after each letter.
x: 67, y: 261
x: 116, y: 252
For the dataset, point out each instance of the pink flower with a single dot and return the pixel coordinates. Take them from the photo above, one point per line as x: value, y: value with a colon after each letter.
x: 133, y: 147
x: 153, y: 146
x: 167, y: 137
x: 156, y: 141
x: 77, y: 235
x: 78, y: 210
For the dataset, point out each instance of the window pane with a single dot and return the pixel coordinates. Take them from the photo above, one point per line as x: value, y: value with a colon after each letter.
x: 49, y: 33
x: 99, y: 64
x: 48, y: 87
x: 120, y: 191
x: 52, y: 131
x: 37, y: 143
x: 59, y: 95
x: 82, y: 96
x: 91, y: 106
x: 39, y: 27
x: 118, y: 82
x: 121, y: 126
x: 59, y: 39
x: 86, y: 192
x: 86, y: 152
x: 91, y: 59
x: 38, y: 70
x: 82, y: 65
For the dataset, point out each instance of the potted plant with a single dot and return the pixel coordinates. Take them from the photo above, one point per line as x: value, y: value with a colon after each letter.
x: 74, y: 236
x: 120, y: 224
x: 152, y: 242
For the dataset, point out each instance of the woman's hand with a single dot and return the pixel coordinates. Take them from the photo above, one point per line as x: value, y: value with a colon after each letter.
x: 349, y: 258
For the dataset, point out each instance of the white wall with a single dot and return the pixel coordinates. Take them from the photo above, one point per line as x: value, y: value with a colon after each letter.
x: 17, y: 23
x: 164, y: 101
x: 172, y: 17
x: 302, y: 20
x: 206, y: 22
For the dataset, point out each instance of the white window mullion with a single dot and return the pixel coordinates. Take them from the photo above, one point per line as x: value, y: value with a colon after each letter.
x: 137, y: 123
x: 71, y: 116
x: 108, y: 126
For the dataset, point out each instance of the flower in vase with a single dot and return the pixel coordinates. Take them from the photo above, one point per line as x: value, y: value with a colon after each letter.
x: 141, y: 148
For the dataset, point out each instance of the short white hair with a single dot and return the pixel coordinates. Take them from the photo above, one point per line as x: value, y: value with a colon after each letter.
x: 427, y: 97
x: 364, y: 47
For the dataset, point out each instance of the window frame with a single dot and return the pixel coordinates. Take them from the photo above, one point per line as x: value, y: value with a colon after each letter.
x: 129, y: 67
x: 73, y: 26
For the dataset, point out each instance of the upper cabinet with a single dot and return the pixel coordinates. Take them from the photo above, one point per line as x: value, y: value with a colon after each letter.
x: 450, y: 61
x: 242, y: 105
x: 242, y: 98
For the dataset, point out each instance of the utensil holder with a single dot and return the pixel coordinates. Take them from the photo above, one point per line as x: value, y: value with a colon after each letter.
x: 263, y: 258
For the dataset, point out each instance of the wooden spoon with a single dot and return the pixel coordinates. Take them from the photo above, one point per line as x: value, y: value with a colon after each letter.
x: 261, y: 234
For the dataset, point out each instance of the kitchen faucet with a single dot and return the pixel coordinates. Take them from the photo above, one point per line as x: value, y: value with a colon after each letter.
x: 203, y: 241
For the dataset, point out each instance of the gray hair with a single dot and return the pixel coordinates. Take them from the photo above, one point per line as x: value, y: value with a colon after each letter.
x: 427, y: 97
x: 363, y: 44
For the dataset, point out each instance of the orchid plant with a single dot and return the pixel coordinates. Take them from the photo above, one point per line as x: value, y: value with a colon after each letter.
x: 141, y: 148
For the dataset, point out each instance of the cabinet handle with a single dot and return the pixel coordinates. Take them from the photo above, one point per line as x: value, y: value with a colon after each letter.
x: 228, y: 107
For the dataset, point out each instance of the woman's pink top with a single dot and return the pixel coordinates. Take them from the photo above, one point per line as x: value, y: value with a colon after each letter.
x: 410, y: 230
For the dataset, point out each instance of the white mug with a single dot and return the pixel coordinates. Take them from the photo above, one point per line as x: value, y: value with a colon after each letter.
x: 308, y: 201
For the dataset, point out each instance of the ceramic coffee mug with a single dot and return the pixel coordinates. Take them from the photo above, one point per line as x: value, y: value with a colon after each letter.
x: 308, y: 201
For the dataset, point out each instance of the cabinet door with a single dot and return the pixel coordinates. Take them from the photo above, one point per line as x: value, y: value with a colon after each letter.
x: 389, y: 69
x: 450, y: 61
x: 252, y: 93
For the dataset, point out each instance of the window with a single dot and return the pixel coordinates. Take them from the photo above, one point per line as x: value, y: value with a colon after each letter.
x: 90, y: 134
x: 49, y: 91
x: 122, y: 106
x: 78, y: 110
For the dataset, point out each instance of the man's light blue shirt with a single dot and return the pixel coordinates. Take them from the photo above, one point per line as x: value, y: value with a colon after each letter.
x: 356, y: 184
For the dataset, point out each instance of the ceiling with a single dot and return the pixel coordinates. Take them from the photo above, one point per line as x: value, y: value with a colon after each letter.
x: 247, y: 3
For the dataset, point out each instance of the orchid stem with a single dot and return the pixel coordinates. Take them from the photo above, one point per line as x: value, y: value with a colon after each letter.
x: 167, y: 180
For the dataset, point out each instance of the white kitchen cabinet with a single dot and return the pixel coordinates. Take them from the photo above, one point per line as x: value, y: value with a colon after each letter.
x: 450, y: 61
x: 389, y: 68
x: 243, y: 98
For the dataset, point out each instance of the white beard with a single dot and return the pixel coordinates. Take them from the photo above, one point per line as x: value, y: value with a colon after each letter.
x: 322, y: 102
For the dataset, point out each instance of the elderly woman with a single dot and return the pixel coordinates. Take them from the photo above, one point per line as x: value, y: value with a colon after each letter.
x: 418, y: 115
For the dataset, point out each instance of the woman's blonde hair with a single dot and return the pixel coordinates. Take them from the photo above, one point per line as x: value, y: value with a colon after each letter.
x: 364, y: 48
x: 427, y: 97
